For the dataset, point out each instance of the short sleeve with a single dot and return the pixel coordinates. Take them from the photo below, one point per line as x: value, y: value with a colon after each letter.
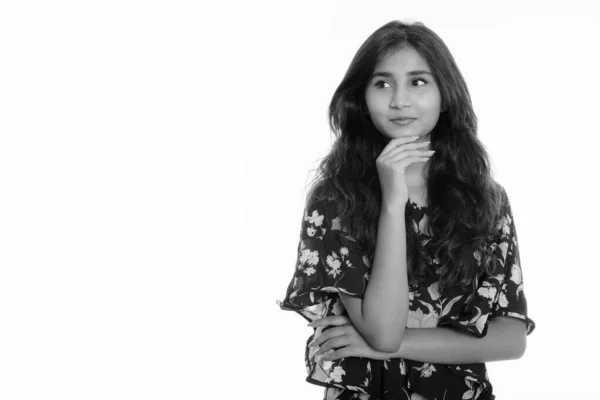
x: 511, y: 300
x: 329, y: 261
x: 498, y: 293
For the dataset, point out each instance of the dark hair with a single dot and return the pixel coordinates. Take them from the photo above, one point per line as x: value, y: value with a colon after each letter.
x: 464, y: 200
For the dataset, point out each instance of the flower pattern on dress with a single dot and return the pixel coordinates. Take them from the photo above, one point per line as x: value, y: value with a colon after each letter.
x: 330, y: 261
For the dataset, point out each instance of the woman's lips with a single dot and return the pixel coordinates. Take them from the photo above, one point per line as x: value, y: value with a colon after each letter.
x: 403, y: 122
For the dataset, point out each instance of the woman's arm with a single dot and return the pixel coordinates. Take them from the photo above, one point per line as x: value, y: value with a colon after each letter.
x: 505, y: 340
x: 381, y: 315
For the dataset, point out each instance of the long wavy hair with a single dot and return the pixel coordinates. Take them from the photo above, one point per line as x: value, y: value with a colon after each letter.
x: 464, y: 199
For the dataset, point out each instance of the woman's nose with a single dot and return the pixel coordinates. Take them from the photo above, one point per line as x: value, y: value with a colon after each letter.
x: 400, y: 99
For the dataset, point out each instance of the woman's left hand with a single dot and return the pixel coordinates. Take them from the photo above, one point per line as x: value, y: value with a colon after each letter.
x: 345, y: 338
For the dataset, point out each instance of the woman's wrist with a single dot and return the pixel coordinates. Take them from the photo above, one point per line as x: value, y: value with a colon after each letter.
x: 395, y: 206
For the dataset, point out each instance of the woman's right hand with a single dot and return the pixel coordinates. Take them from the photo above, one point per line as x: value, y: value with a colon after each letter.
x: 391, y: 165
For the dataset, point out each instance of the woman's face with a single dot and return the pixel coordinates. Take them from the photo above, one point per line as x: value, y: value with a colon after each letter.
x: 402, y: 97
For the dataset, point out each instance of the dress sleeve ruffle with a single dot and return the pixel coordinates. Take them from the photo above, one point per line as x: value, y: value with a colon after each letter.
x: 329, y: 261
x: 498, y: 293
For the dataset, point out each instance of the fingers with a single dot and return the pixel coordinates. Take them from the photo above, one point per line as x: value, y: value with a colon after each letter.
x: 409, y: 146
x: 396, y: 156
x: 416, y: 146
x: 327, y: 335
x: 336, y: 342
x: 394, y: 143
x: 336, y: 320
x: 340, y: 353
x: 401, y: 161
x: 410, y: 156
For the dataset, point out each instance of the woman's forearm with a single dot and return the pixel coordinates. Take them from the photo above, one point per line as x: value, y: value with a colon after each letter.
x: 505, y: 340
x: 385, y: 303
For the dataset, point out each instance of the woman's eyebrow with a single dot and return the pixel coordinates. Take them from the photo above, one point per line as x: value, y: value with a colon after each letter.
x: 419, y: 72
x: 386, y: 74
x: 383, y: 74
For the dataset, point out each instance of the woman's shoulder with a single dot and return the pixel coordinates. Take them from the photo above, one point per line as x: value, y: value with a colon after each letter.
x: 324, y: 200
x: 324, y: 212
x: 323, y: 205
x: 498, y: 199
x: 503, y: 203
x: 496, y: 189
x: 327, y: 212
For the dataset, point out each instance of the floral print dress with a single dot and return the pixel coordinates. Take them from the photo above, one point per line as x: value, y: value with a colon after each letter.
x: 329, y: 261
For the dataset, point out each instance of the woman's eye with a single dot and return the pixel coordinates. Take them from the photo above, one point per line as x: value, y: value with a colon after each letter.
x: 381, y: 84
x: 420, y: 79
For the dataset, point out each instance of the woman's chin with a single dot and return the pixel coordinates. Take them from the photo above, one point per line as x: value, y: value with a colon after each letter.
x: 403, y: 134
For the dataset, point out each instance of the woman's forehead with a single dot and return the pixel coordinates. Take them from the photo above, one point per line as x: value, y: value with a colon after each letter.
x: 403, y: 59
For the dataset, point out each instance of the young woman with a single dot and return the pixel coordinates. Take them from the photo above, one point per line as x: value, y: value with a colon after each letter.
x: 404, y: 230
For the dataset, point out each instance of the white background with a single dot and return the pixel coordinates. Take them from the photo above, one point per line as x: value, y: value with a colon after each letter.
x: 153, y: 163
